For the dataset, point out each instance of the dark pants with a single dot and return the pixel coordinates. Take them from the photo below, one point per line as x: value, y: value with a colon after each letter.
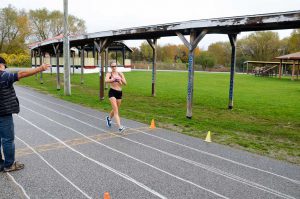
x: 7, y: 135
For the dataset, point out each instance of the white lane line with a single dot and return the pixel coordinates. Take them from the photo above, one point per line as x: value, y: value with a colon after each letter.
x: 217, y: 156
x: 22, y: 189
x: 52, y: 167
x: 179, y: 144
x: 206, y: 167
x: 97, y: 162
x: 127, y: 155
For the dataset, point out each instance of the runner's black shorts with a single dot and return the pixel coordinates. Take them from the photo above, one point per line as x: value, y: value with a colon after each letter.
x: 114, y: 93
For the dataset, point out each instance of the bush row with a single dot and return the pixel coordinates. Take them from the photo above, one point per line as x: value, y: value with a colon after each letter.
x: 17, y: 60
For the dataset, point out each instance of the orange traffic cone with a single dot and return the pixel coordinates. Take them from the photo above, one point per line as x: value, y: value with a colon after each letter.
x: 208, y: 137
x: 152, y: 126
x: 106, y: 195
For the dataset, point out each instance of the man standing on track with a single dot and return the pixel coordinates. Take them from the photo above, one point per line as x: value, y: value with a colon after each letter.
x: 9, y: 104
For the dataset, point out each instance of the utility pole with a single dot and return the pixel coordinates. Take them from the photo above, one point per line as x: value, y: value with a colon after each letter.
x: 67, y: 83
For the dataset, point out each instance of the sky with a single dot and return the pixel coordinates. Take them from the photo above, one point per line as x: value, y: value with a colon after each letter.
x: 117, y: 14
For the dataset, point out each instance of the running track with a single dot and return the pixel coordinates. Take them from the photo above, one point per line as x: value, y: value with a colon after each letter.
x: 69, y: 153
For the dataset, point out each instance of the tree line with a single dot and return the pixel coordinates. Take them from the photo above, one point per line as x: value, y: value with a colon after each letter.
x: 19, y: 27
x: 260, y: 46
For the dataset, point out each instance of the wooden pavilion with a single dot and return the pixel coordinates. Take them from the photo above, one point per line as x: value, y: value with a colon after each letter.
x: 196, y: 29
x: 290, y: 57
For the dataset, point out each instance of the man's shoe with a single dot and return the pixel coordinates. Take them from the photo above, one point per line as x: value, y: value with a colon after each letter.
x: 14, y: 167
x: 121, y: 129
x: 108, y: 121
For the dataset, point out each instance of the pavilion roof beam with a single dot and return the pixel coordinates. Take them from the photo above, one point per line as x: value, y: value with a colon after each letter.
x: 193, y: 45
x: 225, y: 25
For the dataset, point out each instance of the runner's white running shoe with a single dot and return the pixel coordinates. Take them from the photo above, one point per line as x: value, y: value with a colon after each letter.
x: 108, y: 121
x: 121, y: 129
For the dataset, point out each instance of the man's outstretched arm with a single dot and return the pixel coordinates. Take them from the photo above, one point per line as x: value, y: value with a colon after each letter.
x: 32, y: 71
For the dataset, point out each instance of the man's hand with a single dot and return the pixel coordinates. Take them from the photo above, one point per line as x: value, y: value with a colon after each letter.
x: 44, y: 67
x: 32, y: 71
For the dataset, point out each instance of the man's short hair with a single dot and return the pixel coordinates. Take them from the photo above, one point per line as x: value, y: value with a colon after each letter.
x: 2, y: 61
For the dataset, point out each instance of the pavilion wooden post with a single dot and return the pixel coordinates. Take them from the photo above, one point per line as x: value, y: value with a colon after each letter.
x: 31, y: 56
x: 298, y: 70
x: 57, y: 52
x: 101, y: 46
x: 73, y: 61
x: 35, y: 64
x: 232, y: 38
x: 293, y: 70
x: 41, y: 61
x: 102, y: 75
x: 106, y: 66
x: 97, y: 58
x: 123, y: 56
x: 247, y: 68
x: 153, y: 44
x: 82, y: 64
x: 57, y: 70
x: 195, y: 38
x: 94, y: 55
x: 50, y: 64
x: 279, y: 69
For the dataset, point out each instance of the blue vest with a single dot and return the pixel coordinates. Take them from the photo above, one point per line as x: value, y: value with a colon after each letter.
x: 9, y: 102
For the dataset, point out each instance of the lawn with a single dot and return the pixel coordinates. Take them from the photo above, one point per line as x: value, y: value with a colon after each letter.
x: 265, y: 119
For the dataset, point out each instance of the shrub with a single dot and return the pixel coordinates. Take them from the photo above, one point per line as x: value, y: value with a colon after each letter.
x: 17, y: 60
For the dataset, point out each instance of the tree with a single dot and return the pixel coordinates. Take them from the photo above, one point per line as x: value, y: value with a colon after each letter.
x: 169, y: 53
x: 263, y: 46
x: 146, y: 51
x: 135, y: 55
x: 76, y: 25
x: 183, y: 53
x: 46, y: 24
x: 205, y: 60
x: 293, y: 42
x: 56, y: 22
x: 221, y: 53
x: 13, y: 30
x: 40, y: 23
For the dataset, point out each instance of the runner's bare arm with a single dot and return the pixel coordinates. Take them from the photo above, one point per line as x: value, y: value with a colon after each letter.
x: 123, y: 80
x: 107, y: 80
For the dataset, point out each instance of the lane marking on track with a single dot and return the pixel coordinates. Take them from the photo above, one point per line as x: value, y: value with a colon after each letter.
x: 21, y: 152
x: 179, y: 144
x: 97, y: 162
x: 22, y: 188
x: 129, y: 156
x: 52, y: 167
x: 197, y: 164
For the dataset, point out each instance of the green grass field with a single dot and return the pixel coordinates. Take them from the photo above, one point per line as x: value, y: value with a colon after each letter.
x: 265, y: 118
